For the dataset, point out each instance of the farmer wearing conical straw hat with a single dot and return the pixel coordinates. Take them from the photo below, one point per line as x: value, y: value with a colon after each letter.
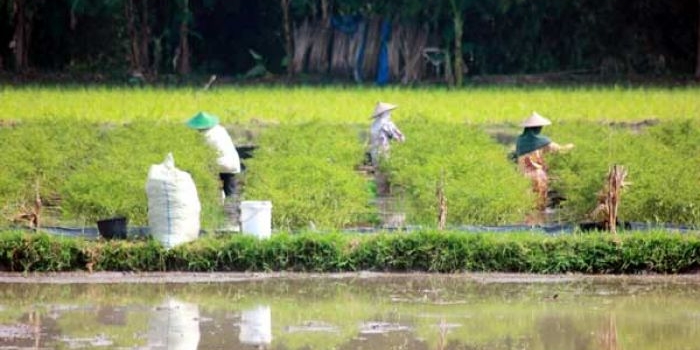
x: 530, y: 148
x: 218, y: 138
x: 382, y: 131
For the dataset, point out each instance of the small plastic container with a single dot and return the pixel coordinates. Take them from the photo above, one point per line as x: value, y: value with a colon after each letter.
x: 112, y: 228
x: 256, y: 218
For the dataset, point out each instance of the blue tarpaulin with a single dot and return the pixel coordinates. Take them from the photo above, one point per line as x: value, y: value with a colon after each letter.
x: 550, y: 229
x: 352, y: 25
x: 383, y: 59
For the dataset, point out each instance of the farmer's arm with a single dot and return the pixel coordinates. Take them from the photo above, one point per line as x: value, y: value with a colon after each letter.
x: 555, y: 147
x: 395, y: 133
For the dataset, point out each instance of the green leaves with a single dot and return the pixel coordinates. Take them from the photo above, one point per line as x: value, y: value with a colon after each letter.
x: 307, y: 171
x: 92, y: 171
x: 661, y: 159
x: 427, y: 251
x: 481, y: 185
x: 89, y: 150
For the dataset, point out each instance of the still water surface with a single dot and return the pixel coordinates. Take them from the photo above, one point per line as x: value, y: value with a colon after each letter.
x: 396, y: 312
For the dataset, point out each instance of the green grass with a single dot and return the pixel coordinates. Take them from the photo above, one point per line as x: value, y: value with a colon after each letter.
x: 89, y: 171
x: 662, y: 162
x: 351, y: 104
x: 307, y: 171
x: 87, y: 150
x: 429, y: 251
x: 481, y: 185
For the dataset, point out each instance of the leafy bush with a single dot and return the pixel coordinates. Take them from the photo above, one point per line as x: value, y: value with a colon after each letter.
x: 307, y: 171
x: 39, y: 156
x: 113, y: 183
x: 93, y: 171
x: 428, y: 251
x: 22, y: 252
x: 88, y: 150
x: 662, y: 165
x: 481, y: 185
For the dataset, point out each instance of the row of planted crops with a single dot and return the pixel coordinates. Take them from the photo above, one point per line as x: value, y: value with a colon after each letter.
x: 85, y: 152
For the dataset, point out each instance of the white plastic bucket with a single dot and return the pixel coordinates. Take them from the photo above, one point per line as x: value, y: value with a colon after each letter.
x: 256, y: 218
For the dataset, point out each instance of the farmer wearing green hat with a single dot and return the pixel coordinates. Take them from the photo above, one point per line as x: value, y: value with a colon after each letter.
x: 530, y: 148
x: 218, y: 138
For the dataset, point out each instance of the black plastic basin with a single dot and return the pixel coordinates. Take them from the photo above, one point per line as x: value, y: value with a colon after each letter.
x: 112, y: 228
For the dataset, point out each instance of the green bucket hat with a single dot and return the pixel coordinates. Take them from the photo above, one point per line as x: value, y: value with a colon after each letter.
x: 202, y: 120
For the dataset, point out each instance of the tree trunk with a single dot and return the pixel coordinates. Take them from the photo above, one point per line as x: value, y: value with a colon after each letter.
x: 288, y: 42
x: 134, y: 52
x: 20, y: 39
x: 183, y: 63
x: 145, y: 37
x: 325, y: 10
x: 458, y: 63
x: 319, y: 55
x: 697, y: 58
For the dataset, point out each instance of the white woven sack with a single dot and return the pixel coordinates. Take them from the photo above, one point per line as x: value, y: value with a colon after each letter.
x: 173, y: 204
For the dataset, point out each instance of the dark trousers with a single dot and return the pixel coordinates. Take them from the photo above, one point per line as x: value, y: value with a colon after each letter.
x: 229, y: 183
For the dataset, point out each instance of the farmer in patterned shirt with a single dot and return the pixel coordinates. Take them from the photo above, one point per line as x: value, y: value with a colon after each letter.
x: 382, y: 131
x: 530, y: 148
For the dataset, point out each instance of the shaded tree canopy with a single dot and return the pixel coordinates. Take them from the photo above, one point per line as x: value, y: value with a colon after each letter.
x: 156, y: 37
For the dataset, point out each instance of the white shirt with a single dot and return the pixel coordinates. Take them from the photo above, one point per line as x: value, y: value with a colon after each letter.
x: 381, y: 132
x: 228, y: 160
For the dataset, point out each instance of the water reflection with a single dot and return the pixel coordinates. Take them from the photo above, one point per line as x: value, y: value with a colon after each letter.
x: 174, y: 325
x: 405, y: 312
x: 607, y: 336
x: 256, y: 326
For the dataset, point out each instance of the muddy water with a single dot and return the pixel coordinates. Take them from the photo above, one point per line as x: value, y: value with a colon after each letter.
x: 397, y: 312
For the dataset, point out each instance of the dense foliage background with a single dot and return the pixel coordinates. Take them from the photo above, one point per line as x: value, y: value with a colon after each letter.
x: 157, y: 37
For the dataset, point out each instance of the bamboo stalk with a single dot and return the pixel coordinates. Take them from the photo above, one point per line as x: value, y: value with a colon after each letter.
x: 372, y: 42
x: 344, y: 49
x: 413, y: 40
x: 318, y: 57
x: 302, y: 43
x: 394, y: 52
x: 288, y: 41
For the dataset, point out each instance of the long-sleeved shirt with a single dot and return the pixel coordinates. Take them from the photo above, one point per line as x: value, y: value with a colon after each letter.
x: 382, y: 131
x: 228, y: 159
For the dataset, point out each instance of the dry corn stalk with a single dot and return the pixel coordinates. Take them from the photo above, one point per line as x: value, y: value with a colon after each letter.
x: 31, y: 215
x: 442, y: 203
x: 609, y: 198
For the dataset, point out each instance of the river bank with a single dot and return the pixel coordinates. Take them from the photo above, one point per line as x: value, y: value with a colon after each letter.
x: 178, y: 277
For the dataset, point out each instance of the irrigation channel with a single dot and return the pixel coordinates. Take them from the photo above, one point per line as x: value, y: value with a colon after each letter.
x: 349, y: 311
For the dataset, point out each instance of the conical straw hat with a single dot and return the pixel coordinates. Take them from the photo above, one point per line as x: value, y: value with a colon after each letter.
x: 536, y: 120
x: 382, y: 107
x: 202, y: 120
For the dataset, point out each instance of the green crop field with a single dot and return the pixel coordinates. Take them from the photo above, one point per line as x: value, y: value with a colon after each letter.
x: 351, y: 105
x: 86, y: 151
